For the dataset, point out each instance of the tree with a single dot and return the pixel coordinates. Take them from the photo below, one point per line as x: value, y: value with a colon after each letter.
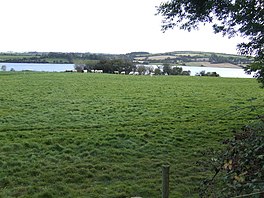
x: 141, y: 70
x: 3, y: 68
x: 201, y: 73
x: 79, y: 67
x: 229, y: 17
x: 109, y: 66
x: 167, y: 69
x: 150, y: 69
x: 186, y: 73
x: 176, y: 71
x: 212, y: 74
x: 157, y: 71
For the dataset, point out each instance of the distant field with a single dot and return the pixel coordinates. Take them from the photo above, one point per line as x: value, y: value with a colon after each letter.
x: 208, y: 64
x: 6, y: 57
x: 192, y: 54
x: 160, y: 57
x: 99, y: 135
x: 190, y: 58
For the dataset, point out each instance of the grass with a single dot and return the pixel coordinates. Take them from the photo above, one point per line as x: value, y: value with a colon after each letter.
x: 99, y: 135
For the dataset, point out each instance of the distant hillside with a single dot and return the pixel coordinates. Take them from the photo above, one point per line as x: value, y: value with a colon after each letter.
x: 194, y: 58
x: 181, y: 58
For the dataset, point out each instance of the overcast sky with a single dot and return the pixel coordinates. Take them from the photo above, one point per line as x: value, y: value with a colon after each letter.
x: 98, y: 26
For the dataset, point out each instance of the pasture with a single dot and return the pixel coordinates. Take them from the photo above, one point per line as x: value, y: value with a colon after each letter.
x: 100, y: 135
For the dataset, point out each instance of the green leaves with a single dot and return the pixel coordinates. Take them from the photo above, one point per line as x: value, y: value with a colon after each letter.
x: 240, y: 17
x: 241, y: 165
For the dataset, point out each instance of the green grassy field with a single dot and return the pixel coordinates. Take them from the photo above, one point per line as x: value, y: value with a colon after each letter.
x: 99, y: 135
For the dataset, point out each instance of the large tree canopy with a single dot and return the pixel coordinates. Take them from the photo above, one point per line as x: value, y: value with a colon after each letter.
x: 229, y: 17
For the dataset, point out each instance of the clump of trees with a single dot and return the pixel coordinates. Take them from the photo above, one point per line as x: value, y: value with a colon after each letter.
x: 169, y: 70
x: 108, y: 66
x: 120, y: 65
x: 79, y: 67
x: 203, y: 73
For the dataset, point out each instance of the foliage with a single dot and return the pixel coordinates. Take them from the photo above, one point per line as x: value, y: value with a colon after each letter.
x: 258, y: 68
x: 239, y: 169
x: 109, y: 66
x: 157, y: 71
x: 141, y: 69
x: 167, y: 69
x: 79, y: 67
x: 229, y: 17
x: 118, y: 65
x: 214, y: 58
x: 3, y: 68
x: 99, y: 135
x: 58, y: 57
x: 212, y: 74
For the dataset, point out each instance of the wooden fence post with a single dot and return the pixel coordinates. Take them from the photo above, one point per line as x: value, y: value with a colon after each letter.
x: 165, y: 181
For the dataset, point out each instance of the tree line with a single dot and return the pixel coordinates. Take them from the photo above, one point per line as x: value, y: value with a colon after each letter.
x: 108, y: 66
x: 214, y: 58
x: 126, y: 66
x: 59, y: 57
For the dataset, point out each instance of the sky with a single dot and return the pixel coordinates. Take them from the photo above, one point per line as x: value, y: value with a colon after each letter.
x: 98, y: 26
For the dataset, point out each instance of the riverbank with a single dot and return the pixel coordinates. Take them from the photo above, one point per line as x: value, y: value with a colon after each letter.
x: 217, y: 65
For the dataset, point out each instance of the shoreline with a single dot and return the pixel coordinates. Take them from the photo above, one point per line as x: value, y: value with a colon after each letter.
x: 216, y: 65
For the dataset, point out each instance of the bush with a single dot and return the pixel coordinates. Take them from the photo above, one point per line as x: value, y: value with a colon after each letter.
x: 3, y: 68
x: 239, y: 168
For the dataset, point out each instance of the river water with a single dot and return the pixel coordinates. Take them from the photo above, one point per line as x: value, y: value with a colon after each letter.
x: 223, y: 72
x: 38, y: 67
